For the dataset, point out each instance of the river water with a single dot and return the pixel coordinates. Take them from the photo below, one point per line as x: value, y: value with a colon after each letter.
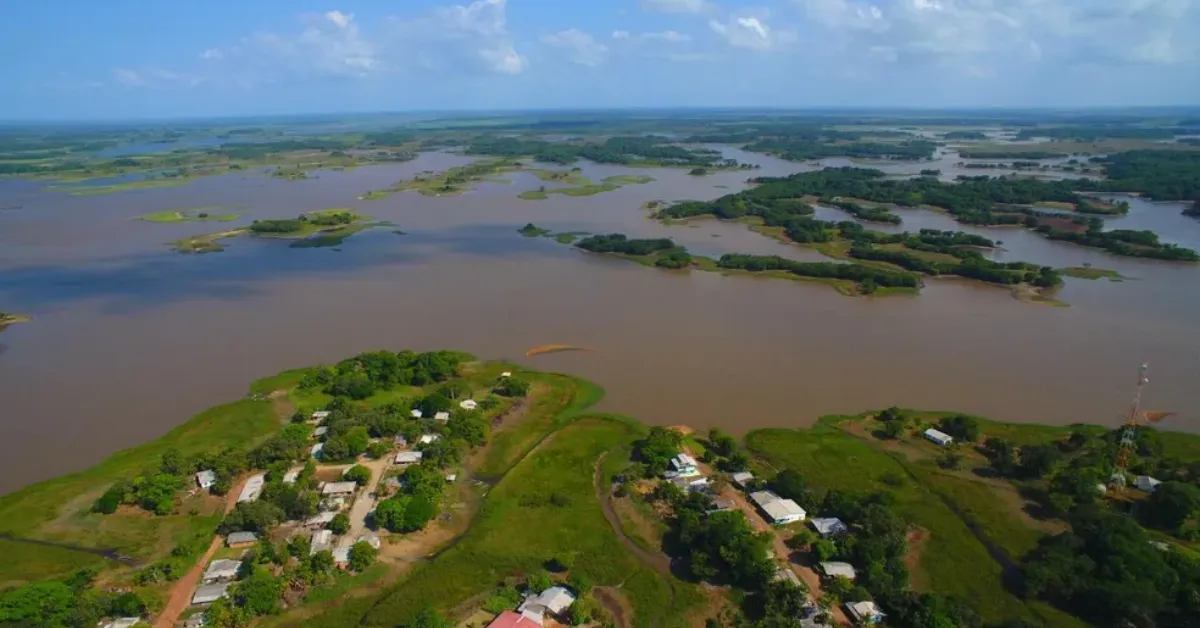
x: 130, y: 339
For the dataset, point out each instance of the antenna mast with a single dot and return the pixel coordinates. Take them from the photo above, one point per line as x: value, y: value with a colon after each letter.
x: 1129, y: 432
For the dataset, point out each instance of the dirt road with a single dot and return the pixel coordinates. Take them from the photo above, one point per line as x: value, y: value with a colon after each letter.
x: 365, y: 501
x: 181, y: 593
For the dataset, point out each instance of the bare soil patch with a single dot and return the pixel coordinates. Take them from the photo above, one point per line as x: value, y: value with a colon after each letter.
x: 615, y: 603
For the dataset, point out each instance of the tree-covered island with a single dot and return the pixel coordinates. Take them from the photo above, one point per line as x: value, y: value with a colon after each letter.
x: 320, y: 228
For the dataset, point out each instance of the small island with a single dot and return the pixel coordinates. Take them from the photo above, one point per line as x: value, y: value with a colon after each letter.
x: 8, y: 318
x: 579, y: 185
x: 195, y: 214
x: 315, y: 229
x: 454, y: 181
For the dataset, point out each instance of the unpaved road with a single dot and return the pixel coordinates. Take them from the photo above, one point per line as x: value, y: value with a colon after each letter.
x: 181, y: 593
x: 365, y: 501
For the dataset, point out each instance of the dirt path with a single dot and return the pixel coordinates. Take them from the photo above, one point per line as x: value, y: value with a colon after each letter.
x: 181, y: 593
x: 612, y: 600
x: 366, y: 499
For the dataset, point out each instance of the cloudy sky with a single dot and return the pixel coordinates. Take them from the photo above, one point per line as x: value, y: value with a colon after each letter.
x: 149, y: 58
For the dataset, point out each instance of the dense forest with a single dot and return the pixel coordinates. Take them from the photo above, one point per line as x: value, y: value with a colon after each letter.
x: 641, y: 150
x: 965, y: 135
x: 667, y: 253
x: 971, y: 200
x: 1093, y: 133
x: 1164, y: 175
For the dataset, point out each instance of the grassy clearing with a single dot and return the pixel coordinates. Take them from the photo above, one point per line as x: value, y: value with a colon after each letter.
x: 452, y: 182
x: 501, y: 542
x: 58, y: 509
x: 91, y: 190
x: 194, y: 214
x: 309, y: 235
x: 954, y: 558
x: 206, y: 243
x: 582, y: 186
x: 1080, y: 272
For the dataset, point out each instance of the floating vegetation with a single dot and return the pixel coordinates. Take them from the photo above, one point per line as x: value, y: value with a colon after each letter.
x: 544, y: 349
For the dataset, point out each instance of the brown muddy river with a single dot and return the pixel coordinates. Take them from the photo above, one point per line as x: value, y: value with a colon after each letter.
x: 130, y: 339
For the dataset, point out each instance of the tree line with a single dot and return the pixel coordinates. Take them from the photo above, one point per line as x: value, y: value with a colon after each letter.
x: 624, y: 150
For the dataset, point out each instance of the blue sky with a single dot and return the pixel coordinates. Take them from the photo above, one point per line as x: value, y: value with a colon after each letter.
x: 83, y: 59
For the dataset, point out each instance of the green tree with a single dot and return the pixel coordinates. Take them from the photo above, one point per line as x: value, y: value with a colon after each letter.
x: 1172, y: 504
x: 1038, y: 460
x: 1002, y: 455
x: 258, y: 594
x: 321, y: 562
x: 583, y: 611
x: 362, y: 555
x: 823, y: 549
x: 894, y: 429
x: 427, y: 618
x: 390, y: 513
x: 539, y: 581
x: 40, y: 604
x: 357, y: 474
x: 340, y: 524
x: 962, y: 427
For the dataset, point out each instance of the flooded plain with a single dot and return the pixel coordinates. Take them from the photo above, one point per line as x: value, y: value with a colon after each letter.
x: 130, y: 339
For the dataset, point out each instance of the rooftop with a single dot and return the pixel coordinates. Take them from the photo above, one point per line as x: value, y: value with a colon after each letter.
x: 553, y: 600
x: 863, y: 610
x: 828, y: 526
x: 320, y: 519
x: 223, y: 568
x: 409, y: 457
x: 762, y: 498
x: 510, y: 619
x: 429, y: 438
x: 210, y: 593
x: 320, y: 431
x: 321, y: 539
x: 468, y: 404
x: 782, y: 509
x: 838, y: 570
x: 339, y: 488
x: 441, y: 416
x: 291, y: 476
x: 253, y: 488
x: 237, y: 538
x: 741, y: 477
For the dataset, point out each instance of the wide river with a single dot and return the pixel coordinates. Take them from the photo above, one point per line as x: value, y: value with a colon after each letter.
x: 131, y: 339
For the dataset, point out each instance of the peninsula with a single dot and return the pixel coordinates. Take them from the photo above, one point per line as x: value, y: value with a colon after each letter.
x: 320, y: 228
x: 431, y: 489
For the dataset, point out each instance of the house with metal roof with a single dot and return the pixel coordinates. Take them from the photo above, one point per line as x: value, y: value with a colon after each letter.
x: 221, y: 570
x: 241, y: 539
x: 552, y: 601
x: 210, y: 593
x: 828, y: 526
x: 205, y: 479
x: 838, y: 570
x: 864, y: 613
x: 253, y: 488
x: 938, y: 437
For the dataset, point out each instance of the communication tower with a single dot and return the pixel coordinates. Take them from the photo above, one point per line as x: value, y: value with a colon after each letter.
x: 1129, y: 431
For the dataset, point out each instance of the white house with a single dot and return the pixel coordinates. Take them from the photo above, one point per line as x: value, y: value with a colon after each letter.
x: 468, y: 404
x: 684, y: 465
x: 441, y: 416
x: 428, y: 438
x: 220, y: 571
x: 291, y: 476
x: 321, y: 540
x: 210, y: 593
x: 1147, y: 483
x: 506, y: 374
x: 552, y: 601
x: 335, y: 489
x: 320, y: 431
x: 838, y: 570
x: 828, y: 526
x: 409, y: 457
x: 319, y: 415
x: 370, y: 539
x: 196, y: 621
x: 938, y: 437
x: 778, y: 510
x: 205, y: 479
x: 316, y: 450
x: 416, y: 414
x: 742, y: 478
x: 341, y: 556
x: 691, y: 484
x: 864, y: 613
x: 320, y: 520
x: 253, y: 488
x: 124, y: 622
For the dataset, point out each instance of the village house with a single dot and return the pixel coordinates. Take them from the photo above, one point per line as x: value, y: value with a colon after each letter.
x: 683, y: 466
x: 338, y: 489
x: 442, y: 416
x: 416, y: 414
x: 451, y: 478
x: 206, y: 479
x: 320, y: 431
x: 341, y: 557
x: 937, y: 437
x: 318, y: 416
x: 291, y: 476
x: 316, y: 450
x: 779, y: 511
x: 408, y: 457
x: 785, y: 574
x: 370, y: 539
x: 221, y: 570
x: 828, y: 526
x: 691, y: 484
x: 723, y: 505
x: 864, y: 613
x: 210, y: 593
x: 253, y: 488
x: 196, y: 621
x: 506, y: 374
x: 428, y: 438
x: 552, y: 601
x: 241, y: 539
x: 510, y: 619
x: 837, y: 570
x: 400, y: 441
x: 319, y: 521
x: 742, y: 479
x: 124, y: 622
x: 468, y: 404
x: 321, y: 541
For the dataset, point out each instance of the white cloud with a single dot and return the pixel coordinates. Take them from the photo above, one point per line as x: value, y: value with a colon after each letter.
x: 212, y: 53
x: 670, y: 37
x: 581, y: 47
x: 745, y: 32
x: 341, y: 20
x: 472, y: 36
x: 677, y: 6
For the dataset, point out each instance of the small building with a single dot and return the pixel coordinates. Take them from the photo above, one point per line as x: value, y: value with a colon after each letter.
x: 206, y: 479
x: 336, y: 489
x: 938, y: 437
x: 441, y: 416
x: 787, y: 575
x: 691, y: 484
x: 291, y: 476
x: 416, y: 414
x: 468, y: 404
x: 320, y: 431
x: 370, y: 539
x: 779, y: 511
x: 320, y: 520
x: 318, y: 416
x: 1147, y: 483
x: 341, y: 557
x: 316, y: 450
x: 428, y: 438
x: 196, y: 621
x: 253, y: 488
x: 742, y: 479
x: 506, y: 374
x: 828, y: 526
x: 838, y: 570
x: 510, y: 619
x: 210, y: 593
x: 321, y: 541
x: 723, y: 505
x: 332, y: 504
x: 409, y: 457
x: 241, y: 539
x: 451, y: 478
x: 124, y: 622
x: 684, y: 465
x: 864, y: 613
x: 221, y: 570
x: 552, y: 601
x: 400, y: 441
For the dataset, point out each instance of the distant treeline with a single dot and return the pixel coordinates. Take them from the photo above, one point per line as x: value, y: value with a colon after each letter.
x: 965, y: 135
x: 1164, y: 175
x: 1094, y: 133
x: 803, y: 142
x: 615, y: 150
x: 1011, y: 154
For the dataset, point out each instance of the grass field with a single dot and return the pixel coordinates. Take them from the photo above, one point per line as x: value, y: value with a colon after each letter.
x: 948, y: 506
x: 142, y: 184
x: 194, y: 214
x: 1091, y: 273
x: 582, y: 186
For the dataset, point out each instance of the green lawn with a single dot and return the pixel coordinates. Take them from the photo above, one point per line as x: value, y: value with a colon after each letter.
x: 1080, y: 272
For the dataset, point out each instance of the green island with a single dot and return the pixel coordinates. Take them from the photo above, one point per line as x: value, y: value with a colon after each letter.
x: 315, y: 229
x: 191, y: 214
x: 8, y: 318
x: 1087, y: 272
x: 874, y: 263
x: 782, y: 203
x: 579, y: 185
x: 639, y: 151
x: 454, y: 181
x: 806, y: 141
x: 432, y: 490
x: 531, y: 230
